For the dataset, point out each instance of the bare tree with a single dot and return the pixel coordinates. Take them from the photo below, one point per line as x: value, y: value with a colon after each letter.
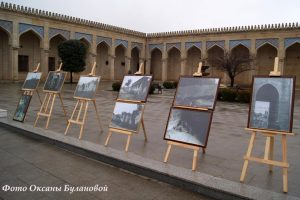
x: 232, y: 64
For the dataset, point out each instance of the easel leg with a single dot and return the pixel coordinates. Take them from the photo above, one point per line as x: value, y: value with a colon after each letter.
x: 98, y: 116
x: 63, y: 107
x: 203, y: 150
x: 69, y: 123
x: 39, y: 96
x: 249, y: 151
x: 127, y: 143
x: 284, y: 159
x: 51, y: 108
x: 144, y: 130
x: 41, y: 109
x: 167, y: 153
x: 271, y: 153
x: 84, y: 117
x: 195, y: 156
x: 107, y: 139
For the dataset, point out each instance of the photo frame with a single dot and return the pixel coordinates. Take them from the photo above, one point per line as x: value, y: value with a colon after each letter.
x: 87, y: 87
x: 197, y: 92
x: 135, y: 88
x: 32, y: 81
x: 55, y: 81
x: 127, y: 116
x: 188, y: 126
x: 272, y: 103
x: 22, y: 108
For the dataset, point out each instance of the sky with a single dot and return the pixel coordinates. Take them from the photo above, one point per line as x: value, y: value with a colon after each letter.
x: 172, y: 15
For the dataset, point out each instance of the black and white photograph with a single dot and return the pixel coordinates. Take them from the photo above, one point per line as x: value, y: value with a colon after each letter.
x: 22, y: 108
x: 127, y: 116
x: 188, y: 126
x: 135, y: 88
x: 32, y: 81
x: 87, y: 87
x: 272, y: 103
x: 197, y: 92
x: 55, y: 81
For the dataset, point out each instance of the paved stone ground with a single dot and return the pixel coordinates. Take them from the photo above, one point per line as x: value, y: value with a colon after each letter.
x: 226, y: 145
x: 26, y: 162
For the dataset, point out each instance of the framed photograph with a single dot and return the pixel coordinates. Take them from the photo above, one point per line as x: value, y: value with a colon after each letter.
x: 135, y: 88
x: 272, y: 103
x: 87, y: 87
x: 197, y: 92
x: 188, y: 126
x: 22, y: 108
x: 127, y: 116
x: 55, y: 81
x: 32, y: 81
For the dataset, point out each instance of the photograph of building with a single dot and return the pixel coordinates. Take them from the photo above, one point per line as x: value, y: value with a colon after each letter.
x: 32, y: 80
x: 87, y: 87
x: 135, y: 88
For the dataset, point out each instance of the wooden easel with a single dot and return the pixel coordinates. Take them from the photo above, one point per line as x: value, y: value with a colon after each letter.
x: 81, y: 107
x: 31, y: 92
x: 47, y: 105
x: 187, y: 146
x: 127, y: 132
x: 269, y: 146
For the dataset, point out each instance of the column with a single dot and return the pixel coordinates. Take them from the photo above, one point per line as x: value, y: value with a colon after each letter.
x: 14, y: 51
x: 281, y: 55
x: 128, y: 59
x: 111, y: 58
x: 45, y: 51
x: 183, y: 60
x: 253, y: 58
x: 92, y: 54
x: 164, y: 61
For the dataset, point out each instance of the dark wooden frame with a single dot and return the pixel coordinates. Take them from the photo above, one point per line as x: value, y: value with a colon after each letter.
x: 140, y: 121
x: 76, y: 97
x: 27, y: 89
x: 193, y: 107
x: 25, y: 109
x: 292, y: 106
x: 55, y: 91
x: 193, y: 110
x: 128, y: 100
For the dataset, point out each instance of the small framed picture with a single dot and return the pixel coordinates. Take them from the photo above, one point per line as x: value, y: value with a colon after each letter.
x: 22, y: 108
x: 197, y: 92
x: 135, y: 88
x: 55, y: 81
x: 127, y: 116
x: 272, y: 103
x: 32, y: 81
x: 87, y: 87
x: 188, y: 126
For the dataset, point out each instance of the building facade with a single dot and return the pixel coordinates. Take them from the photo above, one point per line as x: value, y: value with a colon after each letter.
x: 29, y: 36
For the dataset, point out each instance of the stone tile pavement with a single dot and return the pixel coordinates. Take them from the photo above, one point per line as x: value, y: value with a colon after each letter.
x: 27, y: 162
x: 226, y: 145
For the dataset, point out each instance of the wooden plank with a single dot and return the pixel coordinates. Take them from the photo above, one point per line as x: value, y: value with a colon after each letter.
x: 195, y: 156
x: 183, y: 145
x: 271, y: 151
x: 269, y: 131
x: 267, y: 148
x: 120, y: 131
x: 191, y: 108
x: 167, y: 153
x: 284, y: 159
x: 269, y: 162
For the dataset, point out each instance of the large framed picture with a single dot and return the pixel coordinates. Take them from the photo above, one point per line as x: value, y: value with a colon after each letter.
x: 87, y: 87
x: 32, y: 81
x: 197, y: 92
x: 55, y: 81
x: 127, y: 116
x: 22, y: 108
x: 135, y: 88
x: 272, y: 103
x: 188, y: 126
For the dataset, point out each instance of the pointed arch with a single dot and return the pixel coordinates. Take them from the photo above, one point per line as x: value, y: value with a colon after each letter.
x: 174, y: 64
x: 156, y: 64
x: 292, y: 61
x: 5, y: 69
x: 265, y: 58
x: 193, y: 59
x: 102, y: 59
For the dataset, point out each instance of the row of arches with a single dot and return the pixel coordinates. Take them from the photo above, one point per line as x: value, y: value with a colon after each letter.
x: 264, y: 61
x: 29, y: 53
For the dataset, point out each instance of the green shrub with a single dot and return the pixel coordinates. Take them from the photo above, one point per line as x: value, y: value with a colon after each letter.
x: 116, y: 86
x: 244, y: 96
x: 226, y: 94
x: 169, y: 84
